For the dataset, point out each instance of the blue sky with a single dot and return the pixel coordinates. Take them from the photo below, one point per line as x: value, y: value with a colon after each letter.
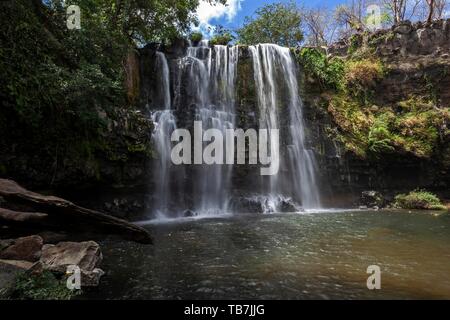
x: 232, y: 16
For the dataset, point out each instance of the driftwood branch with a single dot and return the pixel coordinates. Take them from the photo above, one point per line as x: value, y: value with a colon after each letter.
x: 66, y: 214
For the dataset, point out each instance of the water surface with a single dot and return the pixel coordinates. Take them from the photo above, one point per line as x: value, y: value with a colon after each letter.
x: 289, y: 256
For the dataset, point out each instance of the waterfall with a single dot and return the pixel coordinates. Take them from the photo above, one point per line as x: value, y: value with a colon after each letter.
x: 205, y: 90
x: 164, y: 123
x: 211, y: 73
x: 277, y: 91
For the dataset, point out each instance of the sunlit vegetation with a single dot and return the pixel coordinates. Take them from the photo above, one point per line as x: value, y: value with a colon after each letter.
x: 419, y: 199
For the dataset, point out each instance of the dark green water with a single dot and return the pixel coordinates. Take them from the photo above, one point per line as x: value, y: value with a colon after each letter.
x: 315, y: 256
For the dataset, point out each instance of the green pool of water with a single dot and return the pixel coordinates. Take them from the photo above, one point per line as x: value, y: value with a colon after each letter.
x: 290, y: 256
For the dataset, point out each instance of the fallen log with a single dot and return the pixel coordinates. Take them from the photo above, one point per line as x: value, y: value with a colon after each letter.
x: 68, y: 215
x: 16, y: 216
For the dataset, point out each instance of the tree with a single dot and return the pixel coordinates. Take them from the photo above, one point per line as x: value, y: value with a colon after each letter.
x: 398, y: 9
x: 274, y: 23
x: 402, y: 10
x: 56, y: 83
x: 435, y: 9
x: 320, y: 31
x: 441, y: 7
x: 431, y: 6
x: 221, y: 36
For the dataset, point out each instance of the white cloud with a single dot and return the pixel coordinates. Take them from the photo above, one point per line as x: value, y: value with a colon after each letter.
x: 207, y: 12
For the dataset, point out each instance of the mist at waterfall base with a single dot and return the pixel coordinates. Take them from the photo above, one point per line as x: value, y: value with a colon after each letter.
x: 209, y: 93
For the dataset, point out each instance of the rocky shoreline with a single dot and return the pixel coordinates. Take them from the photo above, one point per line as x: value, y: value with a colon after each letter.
x: 45, y: 235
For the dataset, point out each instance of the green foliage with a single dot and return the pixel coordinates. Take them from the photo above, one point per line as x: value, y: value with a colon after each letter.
x: 141, y: 21
x: 42, y: 286
x: 355, y: 43
x: 278, y: 23
x: 353, y: 122
x: 196, y: 37
x: 379, y: 139
x: 414, y: 127
x: 329, y: 73
x: 419, y: 199
x: 55, y: 82
x: 221, y: 36
x: 361, y: 77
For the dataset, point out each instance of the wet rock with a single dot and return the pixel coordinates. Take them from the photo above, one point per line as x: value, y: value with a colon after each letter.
x: 289, y: 206
x: 86, y: 255
x: 26, y: 248
x: 372, y: 199
x: 189, y: 214
x: 91, y: 278
x: 247, y: 205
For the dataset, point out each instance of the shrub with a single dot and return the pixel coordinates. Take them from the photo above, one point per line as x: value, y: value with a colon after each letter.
x: 196, y: 37
x: 42, y: 286
x: 419, y: 199
x: 222, y: 39
x: 329, y: 72
x: 361, y: 77
x: 380, y: 140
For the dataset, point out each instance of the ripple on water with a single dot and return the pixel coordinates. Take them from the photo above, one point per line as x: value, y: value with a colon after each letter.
x: 312, y: 256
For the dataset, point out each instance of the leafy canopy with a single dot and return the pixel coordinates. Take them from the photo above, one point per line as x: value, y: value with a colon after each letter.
x: 277, y: 23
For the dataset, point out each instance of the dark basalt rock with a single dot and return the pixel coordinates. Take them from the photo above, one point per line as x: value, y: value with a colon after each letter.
x: 372, y: 199
x: 289, y: 206
x: 247, y: 205
x: 189, y: 214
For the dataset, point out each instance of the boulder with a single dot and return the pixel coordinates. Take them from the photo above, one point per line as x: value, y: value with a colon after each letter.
x: 86, y: 255
x: 5, y: 243
x: 91, y: 278
x: 372, y: 199
x: 25, y: 265
x: 26, y: 248
x: 8, y: 276
x: 289, y: 206
x: 404, y: 28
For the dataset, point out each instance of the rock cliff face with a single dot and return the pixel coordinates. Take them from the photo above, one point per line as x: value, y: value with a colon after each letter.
x: 417, y: 64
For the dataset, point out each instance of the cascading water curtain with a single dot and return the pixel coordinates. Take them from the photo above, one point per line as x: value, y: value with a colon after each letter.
x: 276, y: 84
